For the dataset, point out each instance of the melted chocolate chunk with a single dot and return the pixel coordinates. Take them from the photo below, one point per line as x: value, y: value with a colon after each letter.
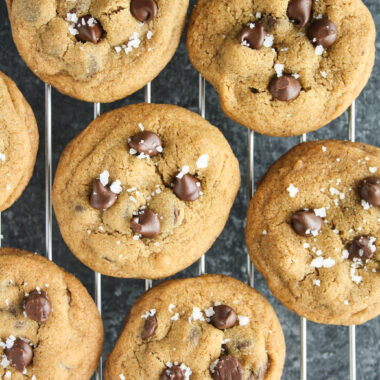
x: 20, y: 354
x: 187, y: 188
x: 305, y: 223
x: 38, y: 306
x: 323, y: 32
x: 285, y: 87
x: 299, y: 11
x: 253, y: 36
x: 144, y: 10
x: 147, y: 224
x: 89, y: 29
x: 369, y: 190
x: 101, y: 197
x: 150, y: 327
x: 224, y: 317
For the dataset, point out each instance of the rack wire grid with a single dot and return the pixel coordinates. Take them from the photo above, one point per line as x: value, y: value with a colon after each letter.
x: 201, y: 264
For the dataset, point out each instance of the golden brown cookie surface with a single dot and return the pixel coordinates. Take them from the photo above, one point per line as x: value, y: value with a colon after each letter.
x: 257, y: 57
x: 18, y: 142
x: 202, y: 328
x: 49, y: 325
x: 313, y: 231
x: 97, y: 50
x: 145, y: 190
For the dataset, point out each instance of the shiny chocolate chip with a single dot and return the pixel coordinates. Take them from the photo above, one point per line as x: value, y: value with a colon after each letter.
x: 147, y: 143
x: 38, y: 306
x: 285, y: 87
x: 150, y: 327
x: 369, y: 190
x: 187, y: 188
x: 306, y: 223
x: 253, y: 35
x: 146, y: 223
x: 361, y: 247
x: 101, y: 197
x: 173, y: 373
x: 224, y: 317
x: 228, y: 368
x: 323, y: 32
x: 299, y: 11
x: 144, y: 10
x: 260, y: 375
x: 89, y: 29
x: 20, y: 355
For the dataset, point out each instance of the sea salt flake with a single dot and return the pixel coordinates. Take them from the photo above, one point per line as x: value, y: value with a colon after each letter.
x: 171, y: 307
x: 2, y: 157
x: 365, y: 205
x: 324, y: 75
x: 319, y: 50
x: 317, y: 262
x: 279, y: 68
x: 209, y: 312
x: 104, y: 177
x: 243, y: 321
x: 202, y: 161
x: 320, y: 212
x: 317, y: 282
x: 328, y: 263
x: 196, y: 315
x: 149, y: 313
x: 116, y: 187
x: 268, y: 40
x: 149, y: 34
x: 372, y: 169
x: 175, y: 317
x: 292, y: 190
x: 185, y: 169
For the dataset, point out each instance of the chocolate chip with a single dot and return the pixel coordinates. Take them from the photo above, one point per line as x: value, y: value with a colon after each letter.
x: 187, y: 188
x: 260, y: 375
x: 146, y: 224
x: 228, y: 368
x: 271, y: 21
x: 38, y: 306
x: 147, y: 143
x: 323, y: 32
x: 224, y: 317
x: 285, y: 87
x: 369, y: 190
x: 20, y: 354
x: 173, y: 373
x: 361, y: 247
x: 79, y: 208
x: 243, y: 344
x: 150, y: 327
x: 89, y: 29
x: 102, y: 197
x: 144, y: 10
x: 253, y: 37
x: 299, y: 11
x: 305, y: 223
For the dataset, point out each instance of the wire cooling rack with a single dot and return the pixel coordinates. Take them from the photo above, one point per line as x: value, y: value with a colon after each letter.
x: 201, y: 263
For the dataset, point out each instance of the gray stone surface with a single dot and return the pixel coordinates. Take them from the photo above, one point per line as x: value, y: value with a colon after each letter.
x: 23, y: 224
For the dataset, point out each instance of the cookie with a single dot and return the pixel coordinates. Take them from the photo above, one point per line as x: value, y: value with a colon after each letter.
x: 313, y: 231
x: 209, y: 327
x: 145, y: 190
x: 18, y: 142
x: 50, y: 327
x: 97, y: 51
x: 283, y: 68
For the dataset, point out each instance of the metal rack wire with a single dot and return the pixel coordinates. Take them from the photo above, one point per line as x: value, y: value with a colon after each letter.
x: 201, y: 263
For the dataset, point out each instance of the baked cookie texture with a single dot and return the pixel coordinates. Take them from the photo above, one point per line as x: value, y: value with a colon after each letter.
x: 330, y: 78
x: 49, y: 313
x: 18, y: 142
x: 121, y: 45
x: 313, y: 231
x: 185, y: 314
x: 126, y: 214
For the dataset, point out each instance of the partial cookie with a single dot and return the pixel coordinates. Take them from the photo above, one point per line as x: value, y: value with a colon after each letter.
x: 313, y: 231
x: 145, y: 190
x: 283, y: 68
x: 209, y: 327
x: 18, y: 142
x: 97, y: 51
x: 50, y: 328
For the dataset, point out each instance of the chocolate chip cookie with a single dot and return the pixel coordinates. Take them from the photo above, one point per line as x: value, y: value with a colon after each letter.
x: 209, y: 327
x: 18, y: 142
x: 50, y: 327
x: 283, y: 68
x: 145, y: 190
x: 97, y: 51
x: 313, y: 231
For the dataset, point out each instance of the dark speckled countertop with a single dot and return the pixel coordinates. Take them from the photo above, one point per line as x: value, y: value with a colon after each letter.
x: 24, y: 223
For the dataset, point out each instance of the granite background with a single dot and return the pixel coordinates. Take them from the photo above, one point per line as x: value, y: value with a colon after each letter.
x: 23, y: 224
